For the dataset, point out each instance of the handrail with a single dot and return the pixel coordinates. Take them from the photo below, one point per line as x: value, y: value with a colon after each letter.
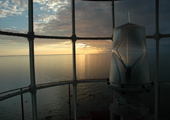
x: 45, y: 85
x: 14, y: 90
x: 53, y: 84
x: 13, y: 94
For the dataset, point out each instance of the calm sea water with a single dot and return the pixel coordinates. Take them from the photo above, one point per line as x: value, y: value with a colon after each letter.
x: 14, y: 73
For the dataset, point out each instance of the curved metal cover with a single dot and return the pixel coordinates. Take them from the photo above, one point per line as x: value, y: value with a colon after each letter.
x: 129, y: 63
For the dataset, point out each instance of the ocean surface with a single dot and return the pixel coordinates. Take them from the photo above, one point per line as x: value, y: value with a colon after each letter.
x: 15, y: 73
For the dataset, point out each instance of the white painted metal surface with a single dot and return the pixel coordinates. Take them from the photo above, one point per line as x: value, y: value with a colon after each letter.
x: 129, y: 65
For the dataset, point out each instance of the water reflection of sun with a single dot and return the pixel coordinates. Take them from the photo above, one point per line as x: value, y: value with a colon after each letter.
x: 82, y: 48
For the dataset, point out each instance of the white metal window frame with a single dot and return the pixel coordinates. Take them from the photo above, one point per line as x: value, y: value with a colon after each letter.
x: 33, y: 87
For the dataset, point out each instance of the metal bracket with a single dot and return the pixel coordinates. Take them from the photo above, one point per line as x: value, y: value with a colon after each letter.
x: 30, y: 36
x: 74, y: 37
x: 157, y: 36
x: 75, y: 82
x: 32, y: 89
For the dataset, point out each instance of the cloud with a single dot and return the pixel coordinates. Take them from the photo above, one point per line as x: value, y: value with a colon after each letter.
x: 54, y: 25
x: 50, y: 6
x: 13, y: 8
x: 90, y: 21
x: 7, y: 42
x: 13, y: 29
x: 101, y: 45
x: 13, y: 39
x: 5, y: 13
x: 52, y: 17
x: 94, y: 19
x: 44, y: 19
x: 21, y: 3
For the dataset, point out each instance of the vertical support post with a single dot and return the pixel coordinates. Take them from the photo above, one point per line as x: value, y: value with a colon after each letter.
x: 157, y: 37
x: 22, y: 106
x: 113, y: 22
x: 74, y: 60
x: 31, y: 56
x: 113, y: 14
x: 157, y: 92
x: 69, y: 102
x: 74, y: 82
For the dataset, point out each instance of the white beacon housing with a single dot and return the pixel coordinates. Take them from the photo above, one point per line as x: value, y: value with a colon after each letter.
x: 129, y: 65
x: 129, y: 70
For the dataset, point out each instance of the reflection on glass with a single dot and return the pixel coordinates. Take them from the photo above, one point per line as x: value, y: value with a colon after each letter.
x: 129, y: 58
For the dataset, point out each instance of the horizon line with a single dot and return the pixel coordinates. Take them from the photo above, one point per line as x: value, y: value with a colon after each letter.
x: 57, y: 54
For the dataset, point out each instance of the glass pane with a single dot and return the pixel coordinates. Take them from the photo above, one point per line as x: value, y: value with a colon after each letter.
x: 14, y: 16
x: 93, y: 66
x: 141, y: 13
x: 151, y: 54
x: 93, y: 59
x: 164, y: 17
x: 164, y: 65
x: 27, y: 106
x: 11, y: 45
x: 11, y: 109
x: 52, y: 103
x: 148, y: 98
x: 53, y: 60
x: 52, y: 17
x: 93, y: 97
x: 14, y: 62
x: 93, y: 18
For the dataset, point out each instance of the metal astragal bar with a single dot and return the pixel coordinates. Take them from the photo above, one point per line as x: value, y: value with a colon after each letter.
x: 93, y: 38
x: 31, y: 54
x: 157, y: 37
x: 74, y: 60
x: 13, y: 34
x: 65, y: 37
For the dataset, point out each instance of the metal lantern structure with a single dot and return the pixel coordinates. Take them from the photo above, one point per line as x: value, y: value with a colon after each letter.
x: 129, y: 80
x: 129, y: 71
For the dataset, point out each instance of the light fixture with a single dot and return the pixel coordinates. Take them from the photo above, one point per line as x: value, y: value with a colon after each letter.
x: 129, y: 71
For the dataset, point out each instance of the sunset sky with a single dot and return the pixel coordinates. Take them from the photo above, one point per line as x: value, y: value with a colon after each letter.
x: 93, y: 19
